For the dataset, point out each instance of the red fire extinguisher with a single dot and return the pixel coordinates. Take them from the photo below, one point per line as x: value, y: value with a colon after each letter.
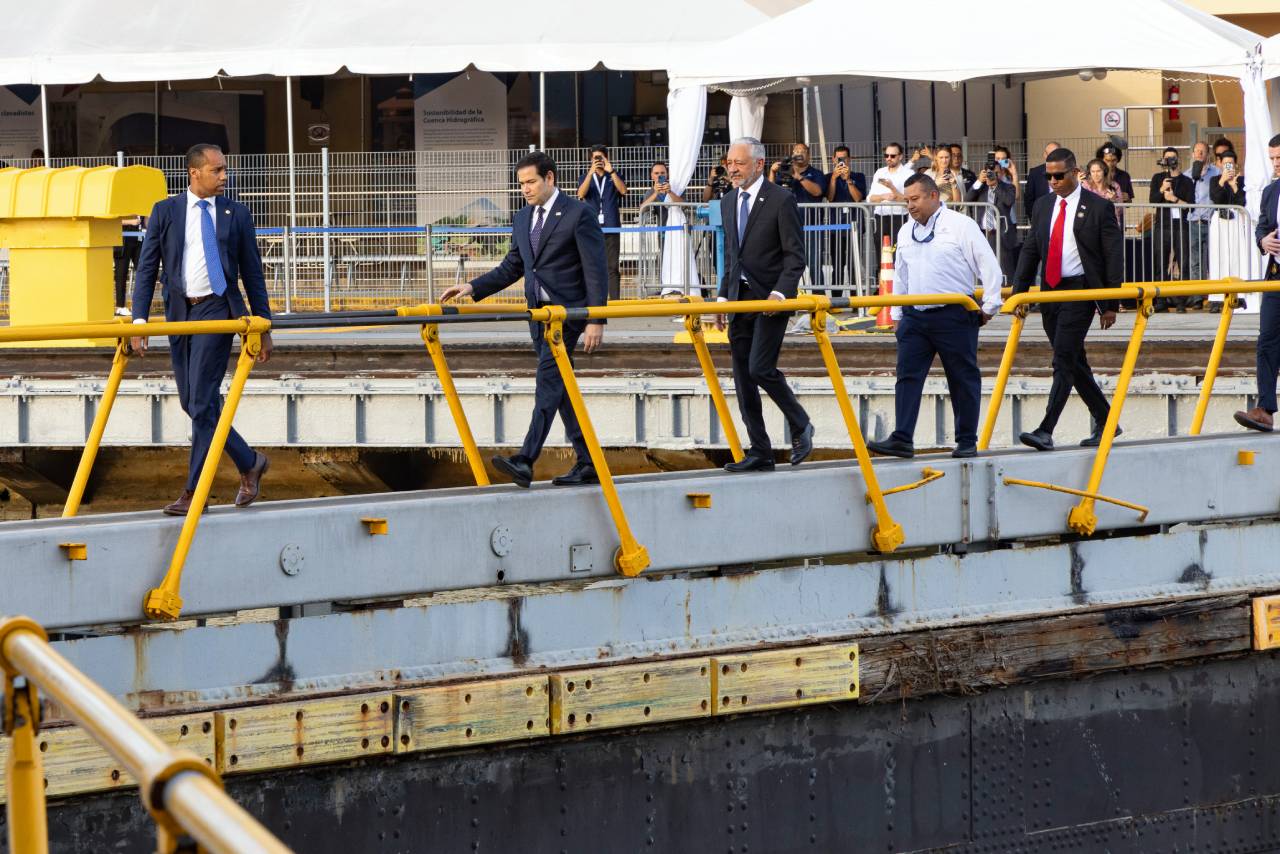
x: 1175, y: 97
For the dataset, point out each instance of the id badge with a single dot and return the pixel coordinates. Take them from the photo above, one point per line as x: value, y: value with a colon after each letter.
x: 600, y: 217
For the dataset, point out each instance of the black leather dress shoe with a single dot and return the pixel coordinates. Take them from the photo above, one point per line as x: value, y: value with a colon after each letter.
x: 1041, y: 440
x: 1095, y: 439
x: 579, y: 475
x: 802, y: 445
x: 520, y: 472
x: 968, y: 449
x: 750, y: 463
x: 892, y: 448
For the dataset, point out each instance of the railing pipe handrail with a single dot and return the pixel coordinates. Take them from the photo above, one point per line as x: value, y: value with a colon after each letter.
x: 166, y: 777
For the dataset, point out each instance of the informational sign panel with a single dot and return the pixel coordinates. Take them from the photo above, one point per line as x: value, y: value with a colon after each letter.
x: 20, y: 132
x: 460, y: 139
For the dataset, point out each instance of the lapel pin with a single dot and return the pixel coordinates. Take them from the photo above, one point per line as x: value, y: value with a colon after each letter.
x: 557, y: 213
x: 227, y: 211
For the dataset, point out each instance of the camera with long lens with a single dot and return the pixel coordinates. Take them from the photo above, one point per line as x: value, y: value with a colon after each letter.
x: 785, y: 178
x: 1168, y: 163
x: 990, y: 165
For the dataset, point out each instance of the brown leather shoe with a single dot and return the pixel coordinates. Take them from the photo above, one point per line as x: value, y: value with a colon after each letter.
x: 251, y: 481
x: 182, y: 505
x: 1256, y: 419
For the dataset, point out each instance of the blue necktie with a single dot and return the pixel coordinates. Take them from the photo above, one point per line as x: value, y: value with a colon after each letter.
x: 212, y: 261
x: 535, y: 236
x: 744, y: 211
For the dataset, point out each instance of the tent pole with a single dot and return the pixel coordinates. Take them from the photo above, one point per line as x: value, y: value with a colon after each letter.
x: 822, y: 131
x: 44, y: 120
x: 293, y: 197
x: 804, y: 99
x: 542, y: 110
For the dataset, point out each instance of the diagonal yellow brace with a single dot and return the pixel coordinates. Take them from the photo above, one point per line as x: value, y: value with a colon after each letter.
x: 631, y: 558
x: 1053, y: 487
x: 1002, y: 379
x: 1229, y: 304
x: 887, y: 534
x: 928, y: 475
x: 431, y: 337
x: 165, y: 601
x: 693, y: 325
x: 1082, y: 519
x: 91, y: 444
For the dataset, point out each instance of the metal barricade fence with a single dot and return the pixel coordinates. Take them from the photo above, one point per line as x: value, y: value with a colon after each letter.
x: 673, y: 247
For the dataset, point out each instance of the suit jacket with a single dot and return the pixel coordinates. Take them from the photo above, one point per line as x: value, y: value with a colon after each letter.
x: 1037, y: 187
x: 569, y: 263
x: 1005, y: 197
x: 166, y: 242
x: 1267, y: 224
x: 1098, y: 240
x: 772, y: 255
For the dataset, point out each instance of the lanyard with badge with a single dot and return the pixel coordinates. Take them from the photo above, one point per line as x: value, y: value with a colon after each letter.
x: 600, y: 182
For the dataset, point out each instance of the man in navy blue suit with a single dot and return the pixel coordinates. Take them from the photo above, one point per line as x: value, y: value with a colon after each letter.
x: 1261, y: 417
x: 205, y: 243
x: 558, y: 248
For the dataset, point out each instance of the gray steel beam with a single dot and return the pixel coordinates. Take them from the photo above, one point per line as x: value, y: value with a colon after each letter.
x: 472, y: 537
x: 569, y: 625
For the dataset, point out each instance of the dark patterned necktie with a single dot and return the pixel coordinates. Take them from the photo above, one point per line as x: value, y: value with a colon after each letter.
x: 535, y: 236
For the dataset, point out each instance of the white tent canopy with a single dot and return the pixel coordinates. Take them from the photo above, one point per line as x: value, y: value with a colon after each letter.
x: 1159, y: 34
x: 74, y: 41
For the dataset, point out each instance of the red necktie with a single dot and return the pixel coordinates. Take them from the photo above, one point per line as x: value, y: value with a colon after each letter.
x: 1053, y: 263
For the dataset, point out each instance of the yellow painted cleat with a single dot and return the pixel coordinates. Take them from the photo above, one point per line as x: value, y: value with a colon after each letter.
x: 160, y: 604
x: 632, y: 563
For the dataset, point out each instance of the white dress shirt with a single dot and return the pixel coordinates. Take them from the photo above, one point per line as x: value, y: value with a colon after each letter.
x: 753, y: 194
x: 957, y: 255
x: 533, y: 220
x: 1071, y: 265
x: 195, y: 269
x: 898, y: 177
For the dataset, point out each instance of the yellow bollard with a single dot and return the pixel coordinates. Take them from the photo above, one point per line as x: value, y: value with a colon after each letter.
x: 91, y: 445
x: 24, y: 776
x: 887, y: 534
x: 165, y: 602
x: 693, y: 326
x: 60, y: 226
x: 631, y: 557
x: 1081, y: 518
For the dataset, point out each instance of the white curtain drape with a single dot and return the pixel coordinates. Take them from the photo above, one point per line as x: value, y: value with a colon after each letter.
x: 1257, y: 168
x: 746, y: 115
x: 686, y: 118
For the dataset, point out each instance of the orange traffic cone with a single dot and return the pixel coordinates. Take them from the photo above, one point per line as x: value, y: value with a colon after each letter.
x: 883, y: 318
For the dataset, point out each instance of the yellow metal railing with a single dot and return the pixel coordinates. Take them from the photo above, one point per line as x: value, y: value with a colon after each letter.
x: 1082, y: 519
x: 181, y: 792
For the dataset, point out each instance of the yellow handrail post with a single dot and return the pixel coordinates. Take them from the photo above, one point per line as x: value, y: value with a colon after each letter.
x: 1002, y: 379
x: 91, y: 444
x: 164, y: 602
x: 1215, y: 359
x: 24, y: 774
x: 631, y: 557
x: 693, y: 325
x: 887, y: 534
x: 1081, y: 518
x: 431, y: 337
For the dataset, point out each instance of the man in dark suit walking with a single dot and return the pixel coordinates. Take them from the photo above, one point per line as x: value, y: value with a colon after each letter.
x: 1076, y: 236
x: 1267, y: 233
x: 558, y: 247
x: 764, y: 259
x: 205, y: 243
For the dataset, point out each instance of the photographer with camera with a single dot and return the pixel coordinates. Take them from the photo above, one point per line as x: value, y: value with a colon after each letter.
x: 807, y: 184
x: 1110, y: 155
x: 602, y: 189
x: 717, y: 182
x: 1171, y: 187
x: 844, y: 187
x: 990, y: 189
x: 947, y: 179
x: 660, y: 191
x: 1228, y: 189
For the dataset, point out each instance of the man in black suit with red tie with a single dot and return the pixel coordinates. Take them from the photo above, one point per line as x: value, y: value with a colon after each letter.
x: 557, y: 247
x: 1261, y: 417
x: 1076, y: 236
x: 764, y: 259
